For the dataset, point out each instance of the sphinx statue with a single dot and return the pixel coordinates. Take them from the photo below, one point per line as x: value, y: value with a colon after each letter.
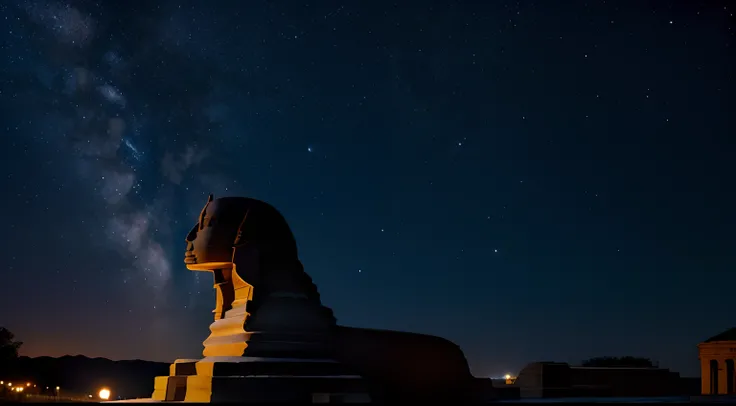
x: 266, y: 304
x: 269, y: 321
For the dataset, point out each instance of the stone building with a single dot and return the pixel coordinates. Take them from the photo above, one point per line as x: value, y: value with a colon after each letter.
x: 717, y: 358
x: 561, y: 380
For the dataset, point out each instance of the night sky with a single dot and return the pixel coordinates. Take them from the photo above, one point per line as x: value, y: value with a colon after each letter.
x: 534, y: 181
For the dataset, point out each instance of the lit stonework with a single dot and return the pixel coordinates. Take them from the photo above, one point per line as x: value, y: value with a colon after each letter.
x: 717, y: 364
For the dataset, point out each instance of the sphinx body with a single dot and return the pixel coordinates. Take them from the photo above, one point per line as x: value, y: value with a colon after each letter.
x: 268, y: 307
x: 406, y: 366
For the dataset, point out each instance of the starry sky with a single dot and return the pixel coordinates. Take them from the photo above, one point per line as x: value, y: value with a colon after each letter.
x: 532, y: 180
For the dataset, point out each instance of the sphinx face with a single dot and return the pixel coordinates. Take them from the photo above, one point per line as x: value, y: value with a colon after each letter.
x: 222, y: 225
x: 210, y: 242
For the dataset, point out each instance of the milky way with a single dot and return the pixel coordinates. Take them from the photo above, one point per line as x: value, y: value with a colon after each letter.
x: 103, y: 129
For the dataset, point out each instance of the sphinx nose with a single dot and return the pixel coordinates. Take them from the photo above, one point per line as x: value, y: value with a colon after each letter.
x: 191, y: 236
x: 190, y: 246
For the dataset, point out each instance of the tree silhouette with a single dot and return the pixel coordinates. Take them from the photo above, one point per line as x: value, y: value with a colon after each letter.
x: 8, y: 347
x: 619, y: 362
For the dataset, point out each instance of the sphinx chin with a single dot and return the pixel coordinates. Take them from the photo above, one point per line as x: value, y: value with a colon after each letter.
x: 209, y: 266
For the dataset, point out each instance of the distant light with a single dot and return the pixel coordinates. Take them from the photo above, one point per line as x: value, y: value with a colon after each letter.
x: 28, y: 384
x: 57, y: 388
x: 104, y: 394
x: 507, y: 376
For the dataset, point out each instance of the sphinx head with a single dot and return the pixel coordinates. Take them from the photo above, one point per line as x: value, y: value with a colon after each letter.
x: 228, y: 223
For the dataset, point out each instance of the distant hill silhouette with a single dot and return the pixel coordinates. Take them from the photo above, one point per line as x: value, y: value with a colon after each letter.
x: 81, y: 375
